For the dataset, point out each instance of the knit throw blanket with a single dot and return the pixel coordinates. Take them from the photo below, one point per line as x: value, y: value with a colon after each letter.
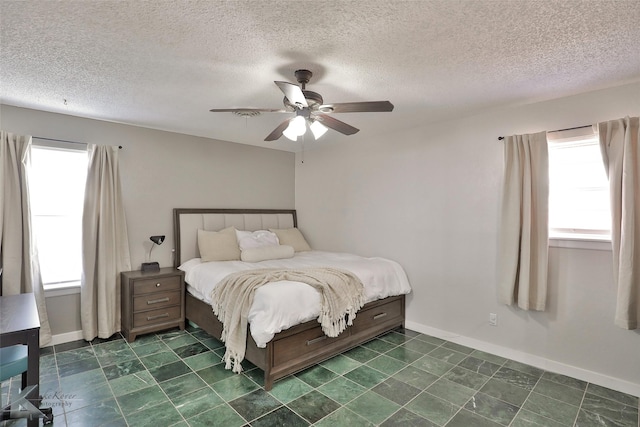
x: 342, y: 295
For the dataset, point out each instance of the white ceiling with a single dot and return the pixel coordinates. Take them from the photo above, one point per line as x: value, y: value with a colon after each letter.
x: 164, y: 64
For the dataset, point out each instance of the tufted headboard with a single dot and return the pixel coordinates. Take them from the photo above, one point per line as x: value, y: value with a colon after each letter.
x: 187, y: 221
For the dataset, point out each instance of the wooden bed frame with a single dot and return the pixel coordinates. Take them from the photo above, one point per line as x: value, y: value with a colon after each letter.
x: 298, y: 347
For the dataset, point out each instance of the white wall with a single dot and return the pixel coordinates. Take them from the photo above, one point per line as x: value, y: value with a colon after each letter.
x: 161, y: 171
x: 429, y: 197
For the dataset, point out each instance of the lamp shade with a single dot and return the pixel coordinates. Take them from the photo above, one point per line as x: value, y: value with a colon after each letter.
x: 157, y: 239
x: 318, y: 129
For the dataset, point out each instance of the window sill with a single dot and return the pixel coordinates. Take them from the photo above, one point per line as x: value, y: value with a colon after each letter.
x: 580, y: 242
x: 61, y: 290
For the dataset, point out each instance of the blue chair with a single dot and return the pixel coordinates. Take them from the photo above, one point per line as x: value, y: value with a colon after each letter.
x: 13, y: 361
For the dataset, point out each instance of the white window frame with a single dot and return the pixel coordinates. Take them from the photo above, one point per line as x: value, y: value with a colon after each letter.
x: 71, y: 287
x: 577, y: 238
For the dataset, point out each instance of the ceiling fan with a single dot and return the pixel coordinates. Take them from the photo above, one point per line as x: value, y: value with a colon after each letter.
x: 309, y: 110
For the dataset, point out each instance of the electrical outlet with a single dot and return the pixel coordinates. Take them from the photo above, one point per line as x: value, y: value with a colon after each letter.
x: 493, y: 319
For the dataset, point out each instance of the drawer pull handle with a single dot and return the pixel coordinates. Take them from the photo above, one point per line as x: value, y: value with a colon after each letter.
x: 157, y: 285
x: 379, y: 316
x: 155, y: 301
x: 159, y: 316
x: 315, y: 340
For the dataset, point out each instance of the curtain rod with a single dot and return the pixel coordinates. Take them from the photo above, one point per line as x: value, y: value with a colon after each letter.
x: 64, y: 140
x: 500, y: 138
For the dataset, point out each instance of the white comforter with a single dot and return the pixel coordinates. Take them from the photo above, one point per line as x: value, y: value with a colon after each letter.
x: 280, y: 305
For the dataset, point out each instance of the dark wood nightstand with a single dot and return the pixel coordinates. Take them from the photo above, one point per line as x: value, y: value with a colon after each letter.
x: 151, y: 301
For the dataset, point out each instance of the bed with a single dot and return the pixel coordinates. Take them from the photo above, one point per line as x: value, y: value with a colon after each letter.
x: 300, y: 345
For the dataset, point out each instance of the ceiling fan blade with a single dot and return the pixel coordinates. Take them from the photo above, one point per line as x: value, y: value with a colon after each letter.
x: 336, y: 124
x: 248, y: 111
x: 357, y: 107
x: 293, y: 93
x: 277, y: 132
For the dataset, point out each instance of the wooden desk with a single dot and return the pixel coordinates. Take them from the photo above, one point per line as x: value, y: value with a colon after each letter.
x: 20, y: 324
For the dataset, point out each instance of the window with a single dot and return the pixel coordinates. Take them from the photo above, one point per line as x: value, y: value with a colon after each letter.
x: 578, y: 187
x: 56, y: 188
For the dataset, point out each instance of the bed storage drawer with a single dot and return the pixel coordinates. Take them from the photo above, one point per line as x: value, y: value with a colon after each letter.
x: 312, y: 340
x: 378, y: 314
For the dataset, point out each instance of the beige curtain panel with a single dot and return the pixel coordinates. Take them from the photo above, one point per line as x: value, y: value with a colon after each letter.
x: 18, y: 254
x: 619, y: 143
x: 105, y: 245
x: 524, y: 230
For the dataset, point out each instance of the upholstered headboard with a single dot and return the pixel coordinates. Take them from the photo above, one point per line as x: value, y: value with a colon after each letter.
x: 186, y: 223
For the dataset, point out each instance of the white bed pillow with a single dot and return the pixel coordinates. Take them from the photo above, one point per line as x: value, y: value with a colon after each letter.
x: 218, y: 245
x: 256, y: 239
x: 292, y: 237
x: 265, y: 253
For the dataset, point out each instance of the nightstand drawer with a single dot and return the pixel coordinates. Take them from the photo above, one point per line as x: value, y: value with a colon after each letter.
x: 156, y: 300
x: 173, y: 283
x: 156, y: 317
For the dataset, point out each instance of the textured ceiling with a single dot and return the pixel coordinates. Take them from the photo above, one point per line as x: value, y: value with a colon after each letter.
x: 164, y: 64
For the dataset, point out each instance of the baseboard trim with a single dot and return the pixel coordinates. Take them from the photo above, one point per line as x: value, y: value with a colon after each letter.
x: 530, y: 359
x: 66, y: 337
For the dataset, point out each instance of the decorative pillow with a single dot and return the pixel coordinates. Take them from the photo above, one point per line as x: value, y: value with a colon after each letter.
x: 292, y: 237
x: 218, y: 245
x: 256, y: 239
x: 264, y: 253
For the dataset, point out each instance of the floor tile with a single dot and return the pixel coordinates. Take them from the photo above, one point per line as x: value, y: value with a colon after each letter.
x: 451, y: 392
x: 202, y: 360
x: 344, y: 417
x: 291, y: 388
x: 396, y: 391
x: 234, y: 387
x: 342, y: 390
x: 433, y: 409
x: 373, y: 407
x: 132, y: 382
x: 492, y: 408
x: 616, y: 413
x: 365, y: 376
x: 191, y: 349
x: 162, y: 414
x: 100, y: 413
x: 466, y: 378
x: 560, y: 412
x: 123, y: 368
x: 530, y: 419
x: 465, y: 418
x: 220, y: 416
x: 506, y: 392
x: 183, y: 384
x: 340, y: 364
x: 282, y: 416
x: 316, y: 376
x: 175, y: 378
x: 404, y: 418
x: 142, y: 399
x: 171, y: 370
x: 416, y: 377
x: 447, y: 355
x: 386, y: 364
x: 215, y: 373
x: 255, y: 404
x: 313, y: 406
x: 197, y: 402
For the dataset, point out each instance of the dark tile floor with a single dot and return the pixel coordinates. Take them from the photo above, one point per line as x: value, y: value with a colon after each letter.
x: 399, y: 379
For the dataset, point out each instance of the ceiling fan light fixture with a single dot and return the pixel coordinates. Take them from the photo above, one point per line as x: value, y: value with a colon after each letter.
x: 318, y: 129
x: 290, y: 134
